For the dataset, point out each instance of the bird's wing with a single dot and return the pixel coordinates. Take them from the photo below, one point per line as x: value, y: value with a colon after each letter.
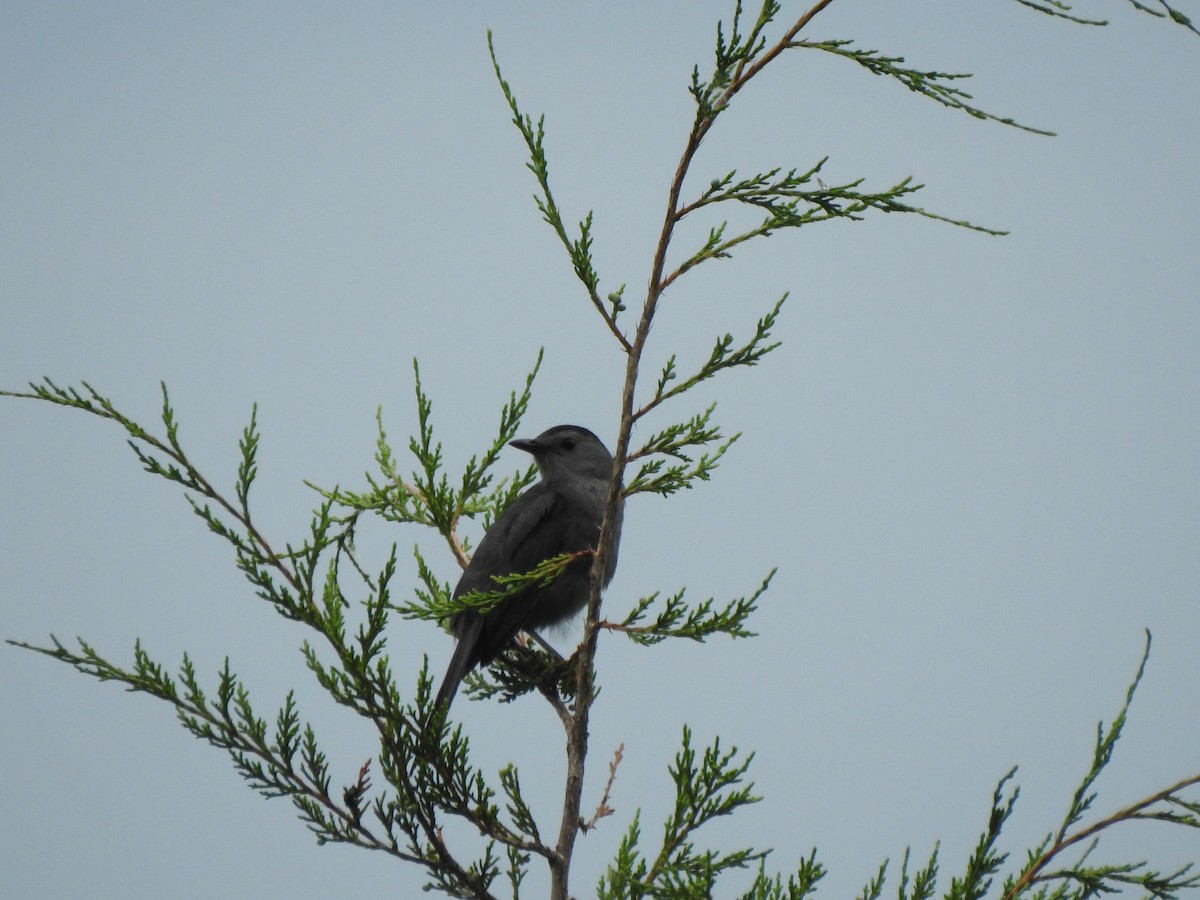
x: 505, y: 549
x: 538, y: 525
x: 512, y: 543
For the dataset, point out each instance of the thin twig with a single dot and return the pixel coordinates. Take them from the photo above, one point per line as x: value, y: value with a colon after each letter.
x: 603, y: 809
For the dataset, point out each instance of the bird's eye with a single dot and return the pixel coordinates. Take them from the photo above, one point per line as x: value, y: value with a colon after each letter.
x: 569, y: 443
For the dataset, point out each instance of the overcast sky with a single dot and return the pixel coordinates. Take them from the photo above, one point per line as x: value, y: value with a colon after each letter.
x: 974, y: 459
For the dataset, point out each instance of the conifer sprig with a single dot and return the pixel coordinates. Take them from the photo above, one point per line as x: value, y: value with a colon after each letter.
x: 707, y: 786
x: 678, y: 619
x: 930, y: 83
x: 579, y: 248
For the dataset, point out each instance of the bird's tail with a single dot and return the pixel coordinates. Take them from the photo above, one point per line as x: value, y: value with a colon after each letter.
x: 460, y: 663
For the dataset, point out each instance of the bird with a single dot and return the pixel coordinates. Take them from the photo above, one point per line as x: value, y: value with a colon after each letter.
x: 560, y: 514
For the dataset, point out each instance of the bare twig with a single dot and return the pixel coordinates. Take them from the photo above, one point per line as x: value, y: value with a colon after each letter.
x: 603, y: 809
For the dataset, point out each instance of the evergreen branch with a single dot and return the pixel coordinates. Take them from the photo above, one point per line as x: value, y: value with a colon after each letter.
x: 924, y: 881
x: 873, y: 888
x: 578, y: 249
x: 426, y: 496
x: 1059, y: 10
x: 626, y: 875
x: 391, y: 497
x: 790, y: 205
x: 1062, y: 10
x: 230, y: 723
x: 935, y: 85
x: 704, y: 790
x: 518, y: 864
x: 986, y: 860
x: 435, y: 606
x: 248, y: 468
x: 476, y: 477
x: 1168, y: 12
x: 430, y: 485
x: 738, y: 59
x: 798, y: 886
x: 518, y: 809
x: 361, y: 680
x: 734, y: 53
x: 528, y: 664
x: 435, y: 596
x: 738, y: 62
x: 697, y: 623
x: 435, y: 764
x: 1175, y: 15
x: 1130, y: 873
x: 1106, y: 742
x: 1094, y: 880
x: 166, y: 458
x: 677, y: 442
x: 431, y: 770
x: 177, y: 469
x: 720, y: 358
x: 1167, y: 805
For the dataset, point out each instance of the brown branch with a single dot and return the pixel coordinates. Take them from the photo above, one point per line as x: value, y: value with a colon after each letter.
x: 1134, y: 811
x: 577, y: 736
x: 603, y: 809
x: 456, y: 547
x: 744, y: 74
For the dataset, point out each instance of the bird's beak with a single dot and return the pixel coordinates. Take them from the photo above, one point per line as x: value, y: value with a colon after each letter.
x: 527, y: 444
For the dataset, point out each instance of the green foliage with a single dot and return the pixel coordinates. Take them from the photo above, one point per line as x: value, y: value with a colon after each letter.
x: 677, y: 619
x: 428, y: 774
x: 420, y: 777
x: 427, y: 497
x: 1079, y: 880
x: 579, y: 249
x: 1165, y: 11
x: 986, y: 860
x: 441, y: 608
x: 659, y: 476
x: 706, y: 788
x: 937, y: 86
x: 1060, y: 10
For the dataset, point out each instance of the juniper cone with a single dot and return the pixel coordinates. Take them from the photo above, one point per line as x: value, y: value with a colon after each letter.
x: 560, y: 514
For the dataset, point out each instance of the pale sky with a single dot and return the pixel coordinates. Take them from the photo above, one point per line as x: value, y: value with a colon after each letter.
x: 974, y: 459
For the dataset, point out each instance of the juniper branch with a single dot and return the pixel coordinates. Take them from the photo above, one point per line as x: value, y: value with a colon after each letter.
x: 677, y: 619
x: 931, y: 83
x: 579, y: 249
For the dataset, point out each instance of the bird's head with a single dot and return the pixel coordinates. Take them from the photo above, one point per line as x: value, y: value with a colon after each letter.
x: 568, y: 451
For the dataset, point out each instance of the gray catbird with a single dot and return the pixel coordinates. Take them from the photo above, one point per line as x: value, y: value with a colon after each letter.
x: 562, y: 513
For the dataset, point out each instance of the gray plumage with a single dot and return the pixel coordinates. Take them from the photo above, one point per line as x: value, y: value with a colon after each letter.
x: 562, y: 513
